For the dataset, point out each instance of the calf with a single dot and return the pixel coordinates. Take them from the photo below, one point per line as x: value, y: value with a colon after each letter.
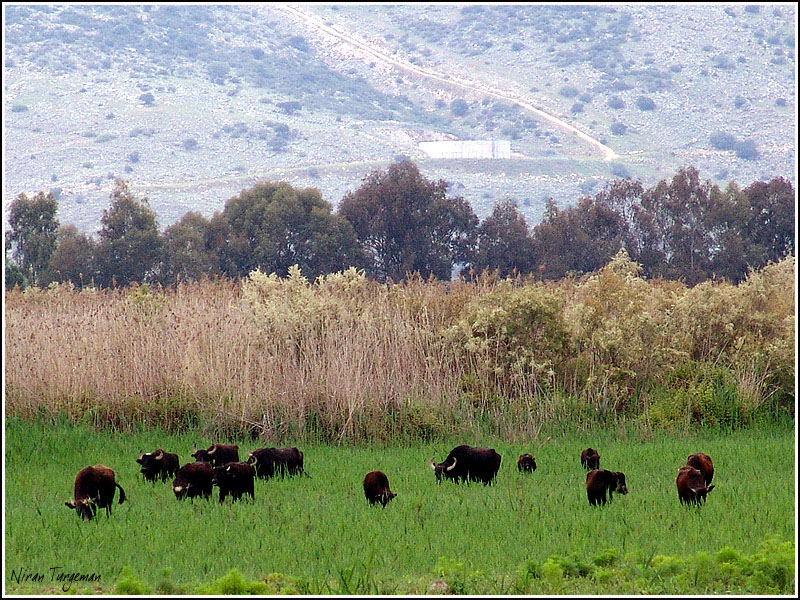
x: 158, y: 464
x: 526, y: 463
x: 465, y: 463
x: 276, y: 461
x: 95, y: 488
x: 193, y: 480
x: 376, y: 488
x: 236, y: 479
x: 702, y: 462
x: 590, y: 459
x: 598, y: 482
x: 691, y: 486
x: 218, y: 454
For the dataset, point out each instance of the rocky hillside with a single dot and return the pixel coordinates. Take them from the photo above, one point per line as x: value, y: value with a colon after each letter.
x: 193, y: 103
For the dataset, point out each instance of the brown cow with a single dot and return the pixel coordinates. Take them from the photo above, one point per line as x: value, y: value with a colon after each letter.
x: 95, y: 488
x: 691, y: 486
x: 376, y: 488
x: 466, y: 463
x: 702, y: 462
x: 234, y: 478
x: 590, y: 459
x: 193, y: 480
x: 526, y: 463
x: 598, y: 482
x: 158, y: 464
x: 218, y: 454
x: 276, y: 461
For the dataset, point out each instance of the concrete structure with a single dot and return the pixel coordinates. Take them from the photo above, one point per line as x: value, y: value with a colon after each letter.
x: 467, y: 149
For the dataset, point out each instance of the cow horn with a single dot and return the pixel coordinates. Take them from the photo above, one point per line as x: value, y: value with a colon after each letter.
x: 229, y: 468
x: 159, y: 455
x: 433, y: 466
x: 453, y: 466
x: 214, y: 449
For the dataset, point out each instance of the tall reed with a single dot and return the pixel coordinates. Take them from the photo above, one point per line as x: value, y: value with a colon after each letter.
x: 345, y: 358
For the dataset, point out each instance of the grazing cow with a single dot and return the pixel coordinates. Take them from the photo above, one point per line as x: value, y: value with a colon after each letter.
x: 158, y: 464
x: 236, y: 479
x: 276, y: 461
x: 590, y: 459
x: 376, y: 488
x: 692, y: 486
x: 598, y: 482
x: 218, y: 454
x: 193, y: 480
x: 465, y: 463
x: 526, y: 463
x: 95, y: 488
x: 702, y: 462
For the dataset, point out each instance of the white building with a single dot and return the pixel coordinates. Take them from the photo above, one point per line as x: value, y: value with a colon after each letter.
x: 467, y: 149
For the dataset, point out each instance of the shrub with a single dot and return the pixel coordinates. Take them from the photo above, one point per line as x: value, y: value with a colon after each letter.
x: 722, y: 140
x: 568, y: 91
x: 645, y: 103
x: 746, y: 149
x: 458, y: 107
x: 618, y: 129
x: 615, y: 102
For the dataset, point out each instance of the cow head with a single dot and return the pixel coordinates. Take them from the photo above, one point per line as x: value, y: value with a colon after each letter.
x: 442, y: 469
x: 701, y: 493
x: 152, y: 463
x: 202, y: 455
x: 181, y: 489
x: 223, y: 475
x: 619, y: 483
x: 85, y: 508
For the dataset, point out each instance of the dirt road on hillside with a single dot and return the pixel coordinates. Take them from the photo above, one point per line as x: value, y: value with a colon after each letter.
x: 315, y: 22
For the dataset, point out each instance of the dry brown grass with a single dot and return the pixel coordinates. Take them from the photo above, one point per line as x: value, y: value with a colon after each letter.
x: 348, y: 359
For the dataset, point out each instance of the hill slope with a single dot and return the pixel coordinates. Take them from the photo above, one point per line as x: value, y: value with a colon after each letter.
x: 193, y: 103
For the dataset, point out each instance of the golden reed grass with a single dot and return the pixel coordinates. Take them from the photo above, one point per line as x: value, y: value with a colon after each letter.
x: 344, y: 358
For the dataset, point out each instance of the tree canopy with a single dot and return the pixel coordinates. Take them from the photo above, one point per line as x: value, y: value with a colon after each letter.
x: 408, y: 224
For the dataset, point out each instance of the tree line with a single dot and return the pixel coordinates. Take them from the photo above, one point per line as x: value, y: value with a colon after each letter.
x: 398, y: 223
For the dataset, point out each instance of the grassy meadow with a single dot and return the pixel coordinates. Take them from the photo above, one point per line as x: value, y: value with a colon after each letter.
x: 364, y: 376
x: 527, y: 534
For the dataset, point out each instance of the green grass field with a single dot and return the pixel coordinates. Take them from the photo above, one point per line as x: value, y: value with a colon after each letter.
x: 526, y: 534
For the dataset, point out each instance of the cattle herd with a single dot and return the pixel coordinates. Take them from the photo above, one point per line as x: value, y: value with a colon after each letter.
x: 219, y: 466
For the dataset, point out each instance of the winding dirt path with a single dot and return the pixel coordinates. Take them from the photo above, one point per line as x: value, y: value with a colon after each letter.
x: 314, y: 21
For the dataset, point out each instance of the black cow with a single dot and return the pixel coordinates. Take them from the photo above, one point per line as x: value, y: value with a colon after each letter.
x: 235, y: 479
x: 465, y: 463
x: 590, y: 459
x: 376, y: 488
x: 218, y: 454
x: 692, y: 488
x: 193, y: 480
x: 703, y: 463
x: 276, y: 461
x: 526, y: 463
x: 598, y: 482
x: 158, y: 464
x: 94, y: 488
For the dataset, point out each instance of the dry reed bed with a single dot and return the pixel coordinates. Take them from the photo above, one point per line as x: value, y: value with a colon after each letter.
x: 346, y: 358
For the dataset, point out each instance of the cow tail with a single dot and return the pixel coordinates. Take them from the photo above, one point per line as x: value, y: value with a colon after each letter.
x: 121, y: 493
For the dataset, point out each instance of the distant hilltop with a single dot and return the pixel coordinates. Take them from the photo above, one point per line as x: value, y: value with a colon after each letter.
x: 467, y: 149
